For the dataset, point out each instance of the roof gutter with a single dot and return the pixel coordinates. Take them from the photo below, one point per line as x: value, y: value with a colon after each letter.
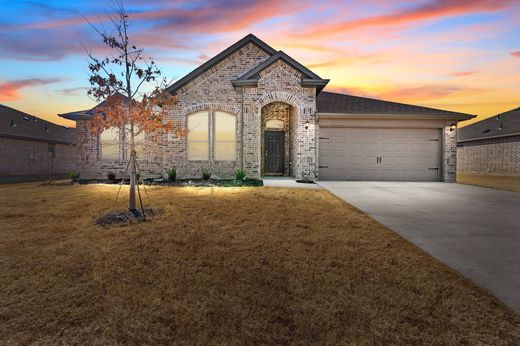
x: 454, y: 117
x: 32, y: 139
x: 489, y: 137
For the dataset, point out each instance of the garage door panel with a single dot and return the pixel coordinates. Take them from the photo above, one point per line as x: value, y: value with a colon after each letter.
x: 406, y: 154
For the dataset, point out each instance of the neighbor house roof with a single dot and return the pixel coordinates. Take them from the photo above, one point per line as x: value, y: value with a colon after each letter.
x: 310, y: 79
x: 20, y: 125
x: 218, y: 58
x: 501, y: 125
x: 87, y: 114
x: 334, y: 103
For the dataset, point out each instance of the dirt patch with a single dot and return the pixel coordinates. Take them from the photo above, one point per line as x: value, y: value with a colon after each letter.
x: 126, y: 217
x: 500, y: 182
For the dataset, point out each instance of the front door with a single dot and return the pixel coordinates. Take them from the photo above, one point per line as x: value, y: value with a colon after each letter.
x: 274, y: 155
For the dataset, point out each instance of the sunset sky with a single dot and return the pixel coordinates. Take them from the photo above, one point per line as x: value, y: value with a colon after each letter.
x: 460, y: 55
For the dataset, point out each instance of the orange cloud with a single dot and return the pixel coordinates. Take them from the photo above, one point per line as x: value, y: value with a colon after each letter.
x: 429, y: 92
x: 462, y: 73
x: 516, y: 54
x: 432, y: 10
x: 9, y: 90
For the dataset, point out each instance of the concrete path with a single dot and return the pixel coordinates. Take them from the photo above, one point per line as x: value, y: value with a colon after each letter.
x: 287, y: 182
x: 475, y: 230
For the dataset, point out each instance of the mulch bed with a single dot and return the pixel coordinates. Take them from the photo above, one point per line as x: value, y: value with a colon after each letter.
x: 183, y: 182
x: 126, y: 217
x: 67, y: 183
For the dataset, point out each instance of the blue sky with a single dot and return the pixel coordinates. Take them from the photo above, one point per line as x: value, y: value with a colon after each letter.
x: 462, y: 55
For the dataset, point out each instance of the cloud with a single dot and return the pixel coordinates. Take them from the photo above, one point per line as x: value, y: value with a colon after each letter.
x: 42, y: 45
x: 427, y: 11
x: 462, y: 73
x: 73, y: 91
x: 222, y: 16
x: 348, y: 59
x: 516, y: 54
x: 9, y: 90
x: 429, y: 92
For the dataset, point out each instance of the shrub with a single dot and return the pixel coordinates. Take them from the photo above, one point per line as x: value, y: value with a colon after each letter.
x: 74, y: 176
x: 240, y: 175
x: 172, y: 174
x: 111, y: 176
x: 206, y: 174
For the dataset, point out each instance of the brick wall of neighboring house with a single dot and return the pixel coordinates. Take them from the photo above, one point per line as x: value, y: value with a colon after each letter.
x: 20, y: 157
x: 499, y: 156
x: 213, y: 91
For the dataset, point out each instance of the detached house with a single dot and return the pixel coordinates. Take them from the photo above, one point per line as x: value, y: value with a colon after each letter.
x: 32, y: 148
x: 254, y: 108
x: 491, y: 146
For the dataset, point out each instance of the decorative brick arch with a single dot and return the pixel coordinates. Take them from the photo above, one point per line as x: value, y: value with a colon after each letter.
x: 280, y: 96
x: 199, y: 107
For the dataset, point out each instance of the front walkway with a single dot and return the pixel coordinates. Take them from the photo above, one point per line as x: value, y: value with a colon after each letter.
x: 474, y: 230
x: 287, y: 182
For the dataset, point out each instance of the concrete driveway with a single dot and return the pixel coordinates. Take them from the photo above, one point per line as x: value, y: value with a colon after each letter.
x: 474, y: 230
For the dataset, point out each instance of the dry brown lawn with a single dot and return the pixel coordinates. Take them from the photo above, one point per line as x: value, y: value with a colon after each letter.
x: 226, y: 266
x: 509, y: 183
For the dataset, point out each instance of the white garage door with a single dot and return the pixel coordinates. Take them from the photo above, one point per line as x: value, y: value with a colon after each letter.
x: 379, y: 154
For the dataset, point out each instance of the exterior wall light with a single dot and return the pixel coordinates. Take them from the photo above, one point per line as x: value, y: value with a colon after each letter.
x: 306, y: 124
x: 453, y: 127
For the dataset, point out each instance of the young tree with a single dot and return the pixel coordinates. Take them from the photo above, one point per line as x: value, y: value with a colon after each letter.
x: 117, y: 79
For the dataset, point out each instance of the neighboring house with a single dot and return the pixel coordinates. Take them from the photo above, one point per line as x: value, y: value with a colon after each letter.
x: 257, y: 109
x: 32, y: 148
x: 491, y: 146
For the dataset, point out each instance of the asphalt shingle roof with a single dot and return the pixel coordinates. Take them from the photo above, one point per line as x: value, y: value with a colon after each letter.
x: 507, y: 123
x: 328, y: 102
x: 17, y: 124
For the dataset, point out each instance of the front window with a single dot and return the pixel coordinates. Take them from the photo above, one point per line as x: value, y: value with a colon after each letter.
x: 225, y: 136
x: 139, y: 143
x: 198, y: 136
x: 109, y: 139
x: 222, y: 133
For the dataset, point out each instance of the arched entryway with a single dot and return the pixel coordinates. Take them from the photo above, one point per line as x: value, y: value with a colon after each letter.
x: 278, y: 139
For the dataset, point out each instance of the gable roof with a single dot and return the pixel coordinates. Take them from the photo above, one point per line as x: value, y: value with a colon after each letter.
x: 19, y: 125
x: 500, y: 125
x: 218, y: 58
x: 250, y: 78
x: 334, y: 103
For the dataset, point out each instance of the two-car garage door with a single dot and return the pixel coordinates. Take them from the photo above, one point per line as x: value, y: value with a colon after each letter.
x: 347, y: 153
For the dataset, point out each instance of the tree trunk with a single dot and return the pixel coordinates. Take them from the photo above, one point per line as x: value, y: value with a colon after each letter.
x: 131, y: 202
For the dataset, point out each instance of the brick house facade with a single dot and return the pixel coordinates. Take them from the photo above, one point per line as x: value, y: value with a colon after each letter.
x: 491, y: 146
x: 273, y: 101
x: 33, y: 149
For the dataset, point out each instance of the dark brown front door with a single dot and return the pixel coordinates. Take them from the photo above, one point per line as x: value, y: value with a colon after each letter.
x: 274, y: 155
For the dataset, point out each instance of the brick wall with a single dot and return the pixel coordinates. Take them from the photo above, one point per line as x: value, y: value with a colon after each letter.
x: 32, y: 158
x: 213, y: 91
x: 449, y: 163
x: 490, y: 156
